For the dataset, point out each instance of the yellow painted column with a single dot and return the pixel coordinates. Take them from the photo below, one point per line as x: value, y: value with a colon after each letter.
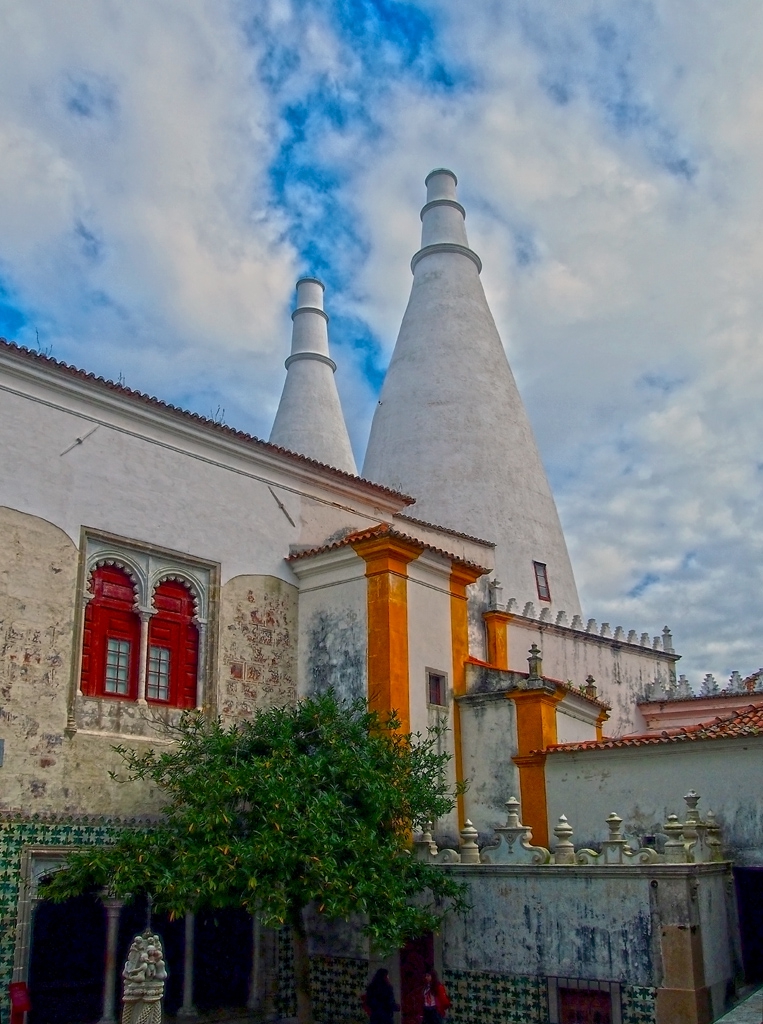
x: 461, y: 577
x: 536, y: 730
x: 497, y: 628
x: 387, y: 559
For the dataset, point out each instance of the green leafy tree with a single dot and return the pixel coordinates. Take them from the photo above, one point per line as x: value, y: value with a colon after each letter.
x: 311, y: 804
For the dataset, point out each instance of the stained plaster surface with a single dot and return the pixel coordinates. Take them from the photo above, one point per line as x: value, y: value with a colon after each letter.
x: 645, y: 784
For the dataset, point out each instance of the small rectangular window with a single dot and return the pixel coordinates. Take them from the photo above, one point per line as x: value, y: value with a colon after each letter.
x: 117, y: 677
x: 541, y: 581
x: 436, y: 688
x: 158, y: 682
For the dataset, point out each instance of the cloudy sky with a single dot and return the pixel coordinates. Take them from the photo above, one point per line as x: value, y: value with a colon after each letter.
x: 168, y: 168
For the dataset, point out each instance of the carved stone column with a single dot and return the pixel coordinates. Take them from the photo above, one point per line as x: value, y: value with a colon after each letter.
x: 188, y: 1009
x: 145, y: 618
x: 113, y: 910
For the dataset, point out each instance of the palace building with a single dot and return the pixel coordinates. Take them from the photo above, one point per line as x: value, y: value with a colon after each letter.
x: 152, y: 560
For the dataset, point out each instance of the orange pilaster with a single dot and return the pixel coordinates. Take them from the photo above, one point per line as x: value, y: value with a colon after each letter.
x: 497, y: 628
x: 536, y: 730
x: 387, y: 561
x: 461, y: 577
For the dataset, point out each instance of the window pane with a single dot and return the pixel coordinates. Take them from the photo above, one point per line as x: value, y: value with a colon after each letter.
x: 117, y: 675
x: 158, y: 685
x: 541, y: 580
x: 436, y: 688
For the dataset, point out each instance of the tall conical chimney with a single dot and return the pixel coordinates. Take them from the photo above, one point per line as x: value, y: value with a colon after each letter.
x: 450, y: 428
x: 309, y: 418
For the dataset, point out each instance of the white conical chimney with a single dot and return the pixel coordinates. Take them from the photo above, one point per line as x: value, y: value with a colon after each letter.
x: 309, y: 418
x: 450, y: 428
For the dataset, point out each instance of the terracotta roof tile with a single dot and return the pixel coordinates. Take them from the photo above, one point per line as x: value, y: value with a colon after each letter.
x: 381, y: 530
x: 201, y: 421
x: 444, y: 529
x: 745, y: 722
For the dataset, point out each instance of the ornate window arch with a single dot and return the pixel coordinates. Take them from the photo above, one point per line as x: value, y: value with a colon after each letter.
x: 173, y: 644
x: 111, y: 634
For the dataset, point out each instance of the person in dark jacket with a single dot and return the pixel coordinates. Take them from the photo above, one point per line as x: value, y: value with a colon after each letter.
x: 379, y: 1001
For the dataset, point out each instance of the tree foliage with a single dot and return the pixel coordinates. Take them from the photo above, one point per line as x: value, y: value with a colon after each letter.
x: 313, y: 803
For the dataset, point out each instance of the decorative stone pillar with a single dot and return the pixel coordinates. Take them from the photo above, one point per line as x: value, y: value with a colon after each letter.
x: 188, y: 1009
x: 113, y: 910
x: 145, y: 618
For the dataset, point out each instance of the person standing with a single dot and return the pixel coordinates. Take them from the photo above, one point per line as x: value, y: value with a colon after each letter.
x: 379, y: 1000
x: 436, y: 1001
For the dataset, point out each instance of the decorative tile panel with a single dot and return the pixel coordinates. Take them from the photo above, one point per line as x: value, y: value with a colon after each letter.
x: 638, y: 1004
x: 15, y: 834
x: 481, y: 997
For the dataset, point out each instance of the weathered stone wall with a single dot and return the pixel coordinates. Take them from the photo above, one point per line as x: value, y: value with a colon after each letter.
x: 45, y: 769
x: 258, y: 645
x: 646, y: 783
x: 489, y: 739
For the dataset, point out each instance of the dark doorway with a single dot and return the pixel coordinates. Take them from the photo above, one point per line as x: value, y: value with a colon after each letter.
x: 580, y: 1006
x: 416, y: 957
x: 749, y: 888
x: 223, y: 958
x: 67, y: 961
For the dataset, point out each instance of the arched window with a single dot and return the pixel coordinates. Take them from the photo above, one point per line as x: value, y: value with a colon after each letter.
x: 111, y: 638
x: 173, y: 647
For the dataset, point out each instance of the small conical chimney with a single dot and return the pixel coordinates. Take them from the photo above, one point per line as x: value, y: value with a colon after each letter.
x: 450, y: 427
x: 309, y: 420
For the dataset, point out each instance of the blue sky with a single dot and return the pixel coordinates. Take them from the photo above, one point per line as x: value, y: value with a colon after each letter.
x: 169, y: 168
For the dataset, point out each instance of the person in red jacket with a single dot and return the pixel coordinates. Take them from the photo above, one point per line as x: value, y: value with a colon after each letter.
x: 436, y: 1001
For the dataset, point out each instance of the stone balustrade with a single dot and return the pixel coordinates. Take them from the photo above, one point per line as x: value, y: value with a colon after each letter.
x: 692, y: 841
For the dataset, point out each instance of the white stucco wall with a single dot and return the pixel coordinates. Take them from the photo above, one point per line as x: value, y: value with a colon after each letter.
x: 147, y: 475
x: 646, y: 783
x: 621, y: 670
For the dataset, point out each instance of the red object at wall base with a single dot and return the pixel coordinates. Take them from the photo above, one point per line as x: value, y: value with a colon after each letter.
x: 20, y: 1002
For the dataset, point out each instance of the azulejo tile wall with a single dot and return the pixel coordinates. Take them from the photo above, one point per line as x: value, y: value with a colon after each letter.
x: 337, y: 983
x: 16, y: 832
x: 482, y: 997
x: 638, y: 1004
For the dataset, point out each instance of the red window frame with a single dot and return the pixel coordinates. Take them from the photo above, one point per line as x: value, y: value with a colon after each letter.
x: 109, y: 614
x: 172, y: 627
x: 541, y: 581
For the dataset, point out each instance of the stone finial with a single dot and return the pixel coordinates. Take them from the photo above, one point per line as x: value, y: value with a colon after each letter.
x: 467, y: 846
x: 656, y: 643
x: 512, y: 606
x: 632, y: 637
x: 605, y: 630
x: 590, y: 687
x: 561, y: 619
x: 516, y: 848
x: 426, y: 848
x: 545, y: 615
x: 667, y: 640
x: 529, y: 610
x: 675, y: 848
x: 564, y: 852
x: 735, y: 683
x: 619, y: 633
x: 535, y: 661
x: 645, y: 640
x: 615, y: 849
x: 591, y: 626
x: 577, y: 622
x: 495, y: 597
x: 713, y: 838
x: 144, y: 975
